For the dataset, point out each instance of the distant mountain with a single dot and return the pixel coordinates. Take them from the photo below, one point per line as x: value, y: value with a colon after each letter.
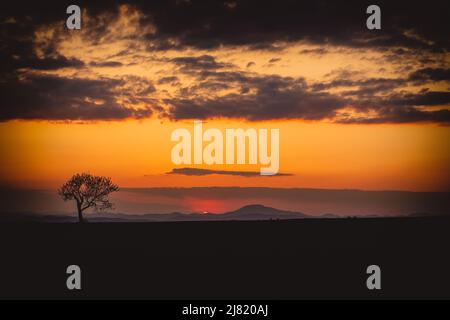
x: 253, y: 212
x: 260, y: 212
x: 246, y: 213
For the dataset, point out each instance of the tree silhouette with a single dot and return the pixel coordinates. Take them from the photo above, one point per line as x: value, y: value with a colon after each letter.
x: 88, y: 191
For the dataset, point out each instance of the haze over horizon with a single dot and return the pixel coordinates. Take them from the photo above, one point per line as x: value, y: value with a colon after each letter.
x: 313, y: 202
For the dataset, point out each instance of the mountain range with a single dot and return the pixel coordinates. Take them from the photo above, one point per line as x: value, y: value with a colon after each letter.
x: 247, y: 213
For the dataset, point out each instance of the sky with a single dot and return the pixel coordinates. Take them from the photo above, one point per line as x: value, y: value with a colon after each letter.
x: 356, y: 108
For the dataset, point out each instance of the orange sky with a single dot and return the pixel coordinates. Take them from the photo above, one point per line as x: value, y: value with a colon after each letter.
x: 137, y: 154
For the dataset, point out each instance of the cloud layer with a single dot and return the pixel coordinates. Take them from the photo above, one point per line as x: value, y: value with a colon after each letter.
x: 226, y: 59
x: 203, y: 172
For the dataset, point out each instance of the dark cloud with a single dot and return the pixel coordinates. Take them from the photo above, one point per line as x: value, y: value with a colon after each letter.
x: 403, y: 115
x: 276, y: 97
x: 345, y: 78
x: 431, y: 98
x: 46, y: 63
x: 19, y: 22
x: 317, y: 51
x: 430, y: 74
x: 399, y: 108
x: 271, y: 97
x: 264, y: 105
x: 55, y: 98
x: 371, y: 85
x: 16, y: 52
x: 146, y: 91
x: 203, y: 172
x: 403, y: 108
x: 378, y: 94
x: 201, y: 63
x: 111, y: 64
x: 166, y: 80
x: 209, y: 24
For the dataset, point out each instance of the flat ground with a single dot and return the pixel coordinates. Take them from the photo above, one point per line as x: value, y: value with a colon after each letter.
x: 314, y: 258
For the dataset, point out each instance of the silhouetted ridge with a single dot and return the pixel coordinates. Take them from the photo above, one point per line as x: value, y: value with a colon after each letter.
x: 257, y: 211
x: 248, y: 212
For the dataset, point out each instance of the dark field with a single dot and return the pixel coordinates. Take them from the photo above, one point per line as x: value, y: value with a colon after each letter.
x: 291, y: 259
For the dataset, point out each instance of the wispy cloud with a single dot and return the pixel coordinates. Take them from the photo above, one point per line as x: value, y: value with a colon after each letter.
x: 203, y: 172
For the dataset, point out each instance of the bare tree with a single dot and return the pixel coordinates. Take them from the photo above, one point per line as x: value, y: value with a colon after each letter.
x: 88, y: 191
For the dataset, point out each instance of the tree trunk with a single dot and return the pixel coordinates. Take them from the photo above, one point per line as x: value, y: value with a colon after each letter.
x: 80, y: 213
